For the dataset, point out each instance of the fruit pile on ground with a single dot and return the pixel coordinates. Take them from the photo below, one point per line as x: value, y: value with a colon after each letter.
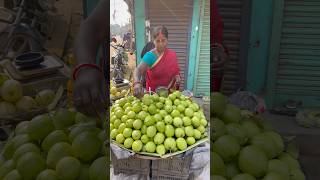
x: 244, y: 147
x: 12, y: 99
x: 308, y: 118
x: 62, y: 145
x: 116, y: 93
x: 157, y: 124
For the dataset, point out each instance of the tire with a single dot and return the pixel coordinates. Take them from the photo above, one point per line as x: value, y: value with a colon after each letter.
x: 18, y: 43
x: 8, y: 4
x: 22, y: 39
x: 7, y: 15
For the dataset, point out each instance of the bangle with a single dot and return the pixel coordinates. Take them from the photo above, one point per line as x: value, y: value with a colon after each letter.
x: 77, y: 68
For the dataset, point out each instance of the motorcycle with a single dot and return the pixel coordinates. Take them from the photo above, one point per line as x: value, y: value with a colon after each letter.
x: 25, y: 26
x: 118, y: 62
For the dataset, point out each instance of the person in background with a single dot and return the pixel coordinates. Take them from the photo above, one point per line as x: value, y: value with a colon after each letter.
x: 127, y: 40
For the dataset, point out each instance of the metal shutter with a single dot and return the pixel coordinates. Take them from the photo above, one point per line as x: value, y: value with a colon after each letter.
x: 298, y: 67
x: 202, y: 79
x: 230, y: 11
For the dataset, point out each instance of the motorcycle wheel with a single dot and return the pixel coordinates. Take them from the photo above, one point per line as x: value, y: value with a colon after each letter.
x: 17, y: 44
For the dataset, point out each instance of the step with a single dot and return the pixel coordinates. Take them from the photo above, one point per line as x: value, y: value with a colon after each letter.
x: 307, y: 138
x: 310, y: 166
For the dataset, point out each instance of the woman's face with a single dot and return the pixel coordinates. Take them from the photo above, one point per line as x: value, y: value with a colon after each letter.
x: 160, y: 42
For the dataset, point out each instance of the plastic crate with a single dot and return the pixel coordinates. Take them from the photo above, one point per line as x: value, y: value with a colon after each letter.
x: 175, y: 168
x: 131, y: 165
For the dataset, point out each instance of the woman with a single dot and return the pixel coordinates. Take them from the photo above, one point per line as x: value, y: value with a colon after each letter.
x: 219, y: 51
x: 159, y: 66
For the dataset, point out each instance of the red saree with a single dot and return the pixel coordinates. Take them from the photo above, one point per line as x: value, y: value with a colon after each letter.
x: 163, y: 72
x: 216, y: 24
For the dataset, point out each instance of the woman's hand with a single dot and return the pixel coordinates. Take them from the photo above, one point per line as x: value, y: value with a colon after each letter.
x: 90, y: 92
x: 175, y: 83
x: 138, y: 90
x: 138, y: 73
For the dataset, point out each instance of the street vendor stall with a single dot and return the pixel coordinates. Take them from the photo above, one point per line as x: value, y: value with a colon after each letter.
x: 165, y: 137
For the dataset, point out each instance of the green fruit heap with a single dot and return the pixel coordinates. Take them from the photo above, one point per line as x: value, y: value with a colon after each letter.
x: 244, y: 147
x: 64, y: 145
x: 157, y: 124
x: 13, y: 101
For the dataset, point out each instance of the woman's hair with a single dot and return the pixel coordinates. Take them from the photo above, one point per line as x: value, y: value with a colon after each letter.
x: 159, y: 29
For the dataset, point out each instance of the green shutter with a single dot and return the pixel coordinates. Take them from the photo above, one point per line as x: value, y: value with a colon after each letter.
x: 89, y: 6
x: 202, y: 78
x: 139, y: 26
x: 294, y: 63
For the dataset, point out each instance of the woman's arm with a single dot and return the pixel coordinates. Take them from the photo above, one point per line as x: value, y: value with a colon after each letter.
x: 92, y: 33
x: 89, y: 94
x: 138, y: 75
x: 140, y: 72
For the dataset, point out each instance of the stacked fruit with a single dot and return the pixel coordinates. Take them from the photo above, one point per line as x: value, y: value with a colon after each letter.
x: 115, y: 93
x: 308, y: 118
x: 244, y: 147
x: 60, y: 145
x: 12, y: 99
x: 157, y: 124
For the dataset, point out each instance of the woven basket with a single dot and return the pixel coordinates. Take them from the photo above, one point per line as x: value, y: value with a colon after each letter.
x: 130, y: 166
x: 175, y: 168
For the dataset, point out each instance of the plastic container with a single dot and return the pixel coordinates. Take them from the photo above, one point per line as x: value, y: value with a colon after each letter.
x: 29, y: 59
x: 162, y: 91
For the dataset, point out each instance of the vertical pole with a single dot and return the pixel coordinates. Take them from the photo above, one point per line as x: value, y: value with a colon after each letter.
x: 260, y: 32
x: 193, y: 45
x: 139, y: 23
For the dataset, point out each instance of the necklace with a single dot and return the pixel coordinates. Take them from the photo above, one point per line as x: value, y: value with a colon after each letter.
x: 159, y: 54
